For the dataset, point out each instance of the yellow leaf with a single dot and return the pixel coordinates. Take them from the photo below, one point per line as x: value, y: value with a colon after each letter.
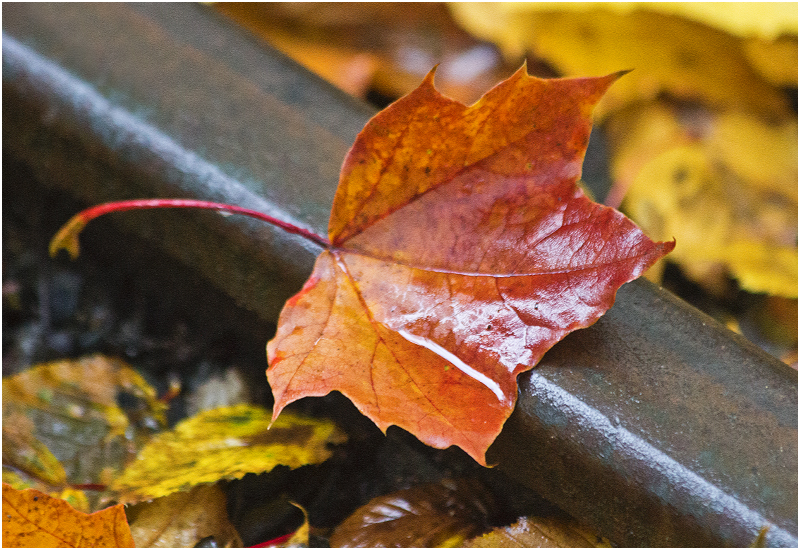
x: 32, y: 519
x: 181, y: 520
x: 224, y: 443
x: 636, y: 135
x: 669, y: 54
x: 760, y: 153
x: 767, y: 20
x: 776, y: 60
x: 71, y: 410
x: 540, y: 532
x: 720, y: 213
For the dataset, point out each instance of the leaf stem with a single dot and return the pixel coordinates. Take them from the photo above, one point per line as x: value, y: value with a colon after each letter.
x: 67, y: 236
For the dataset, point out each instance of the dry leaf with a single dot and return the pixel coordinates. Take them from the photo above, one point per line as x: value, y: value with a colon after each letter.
x: 224, y: 443
x: 183, y: 519
x: 540, y: 532
x: 32, y: 519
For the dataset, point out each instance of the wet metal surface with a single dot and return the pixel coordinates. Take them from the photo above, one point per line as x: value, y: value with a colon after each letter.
x: 682, y: 432
x: 656, y: 426
x: 116, y: 102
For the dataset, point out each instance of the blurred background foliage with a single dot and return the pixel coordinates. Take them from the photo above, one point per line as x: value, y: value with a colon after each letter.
x: 700, y: 138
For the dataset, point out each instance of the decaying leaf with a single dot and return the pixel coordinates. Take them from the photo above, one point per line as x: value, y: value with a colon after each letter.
x: 462, y: 250
x: 723, y: 185
x: 441, y: 515
x: 32, y: 519
x: 540, y: 532
x: 72, y: 408
x: 22, y: 451
x: 182, y: 519
x: 224, y: 443
x: 676, y: 55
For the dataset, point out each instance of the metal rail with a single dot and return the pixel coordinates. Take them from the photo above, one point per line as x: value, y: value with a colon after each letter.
x: 656, y: 426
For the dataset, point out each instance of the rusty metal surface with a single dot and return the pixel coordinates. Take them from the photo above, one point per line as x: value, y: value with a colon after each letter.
x: 656, y: 426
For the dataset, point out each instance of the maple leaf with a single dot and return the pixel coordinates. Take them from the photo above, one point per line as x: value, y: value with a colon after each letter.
x: 32, y: 519
x: 461, y: 251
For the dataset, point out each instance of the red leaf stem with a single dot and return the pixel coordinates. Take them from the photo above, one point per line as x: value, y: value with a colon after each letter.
x: 67, y: 236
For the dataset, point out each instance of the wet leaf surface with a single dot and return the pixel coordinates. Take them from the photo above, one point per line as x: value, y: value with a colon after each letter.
x: 429, y: 515
x: 462, y: 250
x: 224, y: 443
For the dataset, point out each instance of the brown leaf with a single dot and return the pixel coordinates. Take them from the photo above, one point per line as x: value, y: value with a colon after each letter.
x: 430, y: 515
x: 183, y: 519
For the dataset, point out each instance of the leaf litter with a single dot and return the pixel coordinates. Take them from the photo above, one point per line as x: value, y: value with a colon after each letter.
x: 460, y: 250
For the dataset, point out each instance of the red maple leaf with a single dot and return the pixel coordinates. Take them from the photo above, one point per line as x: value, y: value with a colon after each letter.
x: 461, y: 250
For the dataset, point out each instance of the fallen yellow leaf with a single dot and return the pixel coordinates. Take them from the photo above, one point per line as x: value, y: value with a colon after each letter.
x: 719, y: 220
x: 224, y: 443
x: 32, y: 519
x: 775, y: 60
x: 688, y: 60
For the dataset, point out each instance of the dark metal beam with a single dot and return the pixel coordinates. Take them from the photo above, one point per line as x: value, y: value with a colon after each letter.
x: 656, y: 426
